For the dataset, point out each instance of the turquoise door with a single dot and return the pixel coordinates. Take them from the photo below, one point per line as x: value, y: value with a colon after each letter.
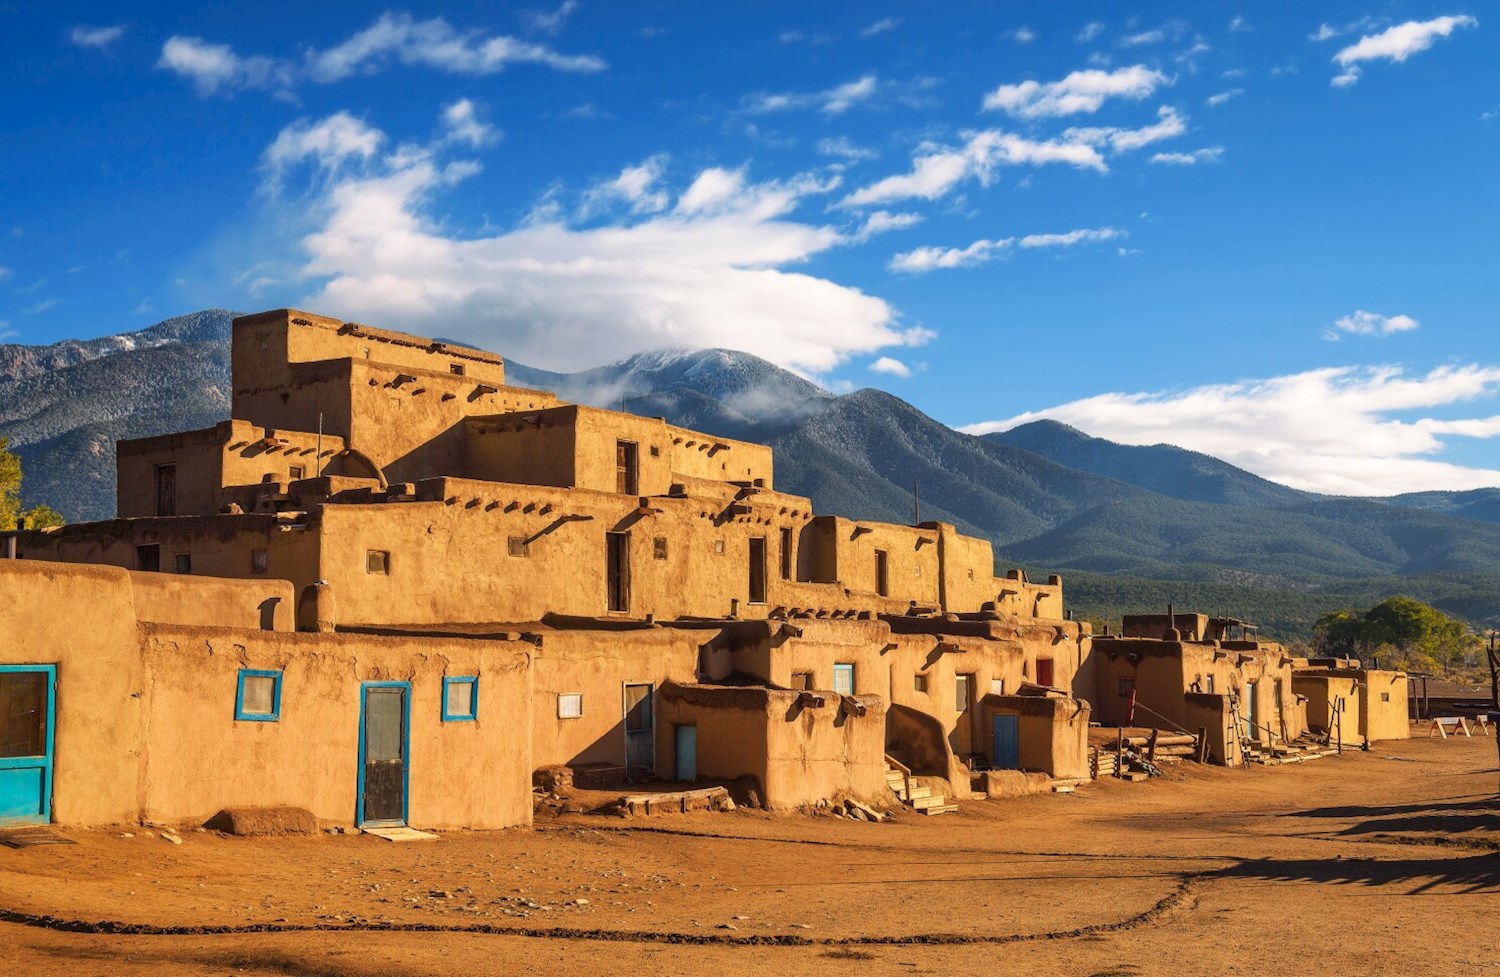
x: 28, y: 703
x: 1005, y: 744
x: 687, y: 752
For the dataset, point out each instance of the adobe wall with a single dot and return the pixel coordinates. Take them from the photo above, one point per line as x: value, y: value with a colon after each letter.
x: 196, y: 455
x: 1052, y: 732
x: 1384, y: 707
x: 219, y: 546
x: 262, y: 604
x: 598, y: 663
x: 813, y: 754
x: 694, y: 455
x: 733, y: 734
x: 531, y: 447
x: 82, y: 619
x: 1323, y: 690
x: 1210, y: 712
x: 199, y: 759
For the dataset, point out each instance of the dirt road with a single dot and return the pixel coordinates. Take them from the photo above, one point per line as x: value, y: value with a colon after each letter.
x: 1371, y: 863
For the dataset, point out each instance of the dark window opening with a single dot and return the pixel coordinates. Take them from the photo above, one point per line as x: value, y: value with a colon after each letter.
x: 757, y: 569
x: 882, y: 573
x: 659, y: 548
x: 802, y: 681
x: 294, y: 472
x: 517, y: 546
x: 166, y: 490
x: 1127, y: 686
x: 183, y: 563
x: 786, y: 554
x: 627, y: 470
x: 260, y: 561
x: 377, y: 561
x: 1044, y: 671
x: 457, y: 369
x: 618, y: 577
x: 148, y: 557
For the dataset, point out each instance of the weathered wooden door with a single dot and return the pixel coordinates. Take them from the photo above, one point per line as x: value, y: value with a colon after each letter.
x: 686, y: 743
x: 383, y: 742
x: 640, y: 732
x: 1252, y: 714
x: 1005, y: 743
x: 28, y: 701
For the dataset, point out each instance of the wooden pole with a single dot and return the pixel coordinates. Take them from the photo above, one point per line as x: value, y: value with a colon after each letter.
x: 1120, y: 754
x: 1202, y: 744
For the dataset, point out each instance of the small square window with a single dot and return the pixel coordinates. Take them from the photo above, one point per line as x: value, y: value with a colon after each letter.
x: 802, y: 681
x: 1127, y: 686
x: 655, y: 451
x: 377, y: 561
x: 148, y: 557
x: 460, y: 698
x: 997, y: 686
x: 1385, y: 697
x: 659, y: 547
x: 517, y: 546
x: 457, y: 369
x: 919, y: 683
x: 258, y: 698
x: 294, y: 472
x: 260, y: 561
x: 183, y: 563
x: 569, y: 705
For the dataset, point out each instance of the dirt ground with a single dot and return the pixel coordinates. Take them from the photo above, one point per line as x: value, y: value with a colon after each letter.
x: 1386, y: 862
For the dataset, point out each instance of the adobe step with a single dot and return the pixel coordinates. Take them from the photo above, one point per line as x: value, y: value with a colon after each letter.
x: 940, y: 809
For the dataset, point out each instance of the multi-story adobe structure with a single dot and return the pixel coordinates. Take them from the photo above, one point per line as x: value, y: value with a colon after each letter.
x: 402, y: 586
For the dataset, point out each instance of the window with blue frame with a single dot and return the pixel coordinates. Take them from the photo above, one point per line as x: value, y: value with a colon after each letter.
x: 460, y: 698
x: 258, y: 698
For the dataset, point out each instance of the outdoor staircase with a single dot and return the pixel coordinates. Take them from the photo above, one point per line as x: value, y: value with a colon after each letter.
x: 922, y: 799
x: 1279, y: 751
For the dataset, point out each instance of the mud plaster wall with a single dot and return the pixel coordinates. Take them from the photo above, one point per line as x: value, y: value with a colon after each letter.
x: 262, y: 604
x: 200, y: 759
x: 1384, y: 705
x: 82, y: 620
x: 732, y: 739
x: 599, y: 664
x: 1322, y: 691
x: 1053, y: 733
x: 1210, y: 713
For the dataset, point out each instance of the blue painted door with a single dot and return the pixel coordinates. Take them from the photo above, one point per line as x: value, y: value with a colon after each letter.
x: 687, y: 752
x: 1005, y: 745
x: 28, y: 705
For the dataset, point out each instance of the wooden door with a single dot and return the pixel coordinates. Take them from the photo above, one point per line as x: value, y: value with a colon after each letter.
x: 640, y: 732
x: 1005, y: 743
x: 686, y: 744
x: 384, y: 738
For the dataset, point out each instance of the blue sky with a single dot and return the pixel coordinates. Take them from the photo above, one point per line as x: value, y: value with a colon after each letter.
x: 1253, y: 231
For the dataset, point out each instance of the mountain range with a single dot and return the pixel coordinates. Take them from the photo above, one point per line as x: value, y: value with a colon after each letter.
x: 1131, y: 526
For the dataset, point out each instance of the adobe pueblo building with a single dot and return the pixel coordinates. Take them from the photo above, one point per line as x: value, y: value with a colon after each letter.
x: 393, y: 588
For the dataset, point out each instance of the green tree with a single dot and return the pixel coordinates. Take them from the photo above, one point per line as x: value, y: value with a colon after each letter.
x: 1400, y: 632
x: 10, y: 495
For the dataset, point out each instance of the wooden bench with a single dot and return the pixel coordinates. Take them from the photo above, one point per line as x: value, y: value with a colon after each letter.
x: 1441, y: 725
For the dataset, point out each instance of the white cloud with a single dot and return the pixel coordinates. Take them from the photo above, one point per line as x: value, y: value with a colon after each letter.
x: 833, y: 101
x: 1362, y: 323
x: 716, y: 268
x: 1169, y: 125
x: 638, y: 186
x: 330, y: 142
x: 550, y: 21
x: 881, y: 221
x: 1143, y: 38
x: 1070, y: 238
x: 1208, y: 154
x: 462, y: 121
x: 1358, y: 445
x: 1238, y: 23
x: 96, y: 37
x: 392, y: 38
x: 1395, y: 44
x: 1023, y: 35
x: 892, y: 366
x: 844, y: 148
x: 1323, y: 33
x: 927, y: 259
x: 213, y: 66
x: 1080, y: 91
x: 936, y: 169
x: 1222, y: 97
x: 881, y: 26
x: 5, y: 273
x: 1090, y: 31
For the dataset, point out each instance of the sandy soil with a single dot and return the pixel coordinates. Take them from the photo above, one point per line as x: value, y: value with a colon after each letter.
x: 1371, y: 863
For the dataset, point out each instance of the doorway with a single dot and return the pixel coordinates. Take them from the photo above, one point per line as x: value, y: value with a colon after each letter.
x: 685, y: 742
x: 640, y: 732
x: 1005, y: 743
x: 28, y: 706
x: 1252, y: 714
x: 384, y: 741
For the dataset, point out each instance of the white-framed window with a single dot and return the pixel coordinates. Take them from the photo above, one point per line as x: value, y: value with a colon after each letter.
x: 569, y: 705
